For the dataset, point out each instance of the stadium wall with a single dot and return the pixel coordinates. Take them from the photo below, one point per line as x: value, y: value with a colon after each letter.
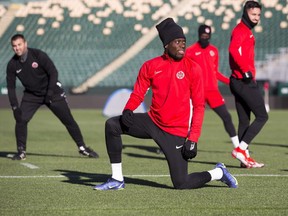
x: 97, y: 101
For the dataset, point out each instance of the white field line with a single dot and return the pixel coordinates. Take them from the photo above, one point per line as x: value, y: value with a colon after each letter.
x: 30, y: 166
x: 260, y: 175
x: 40, y: 176
x: 247, y: 175
x: 149, y: 176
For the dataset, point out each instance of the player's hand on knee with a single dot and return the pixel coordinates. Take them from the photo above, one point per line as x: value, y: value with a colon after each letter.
x: 17, y: 113
x: 189, y: 149
x: 127, y: 118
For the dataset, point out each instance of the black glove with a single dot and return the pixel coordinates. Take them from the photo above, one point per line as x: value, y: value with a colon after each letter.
x: 127, y: 118
x: 247, y: 76
x: 189, y: 150
x: 17, y: 113
x: 48, y: 97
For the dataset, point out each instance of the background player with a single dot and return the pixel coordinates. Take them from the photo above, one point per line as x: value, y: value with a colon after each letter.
x: 207, y: 56
x: 248, y: 97
x: 39, y: 76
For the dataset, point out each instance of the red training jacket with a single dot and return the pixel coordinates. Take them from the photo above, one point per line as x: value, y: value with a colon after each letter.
x: 241, y: 51
x: 208, y: 59
x: 173, y: 84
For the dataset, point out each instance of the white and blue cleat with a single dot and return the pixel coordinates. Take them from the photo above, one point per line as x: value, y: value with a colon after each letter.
x: 111, y: 184
x: 227, y: 177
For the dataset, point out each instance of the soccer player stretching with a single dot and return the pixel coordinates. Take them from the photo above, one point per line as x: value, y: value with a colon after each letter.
x: 174, y: 80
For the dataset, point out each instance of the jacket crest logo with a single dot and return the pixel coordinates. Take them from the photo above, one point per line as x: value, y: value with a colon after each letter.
x: 34, y: 65
x: 180, y: 74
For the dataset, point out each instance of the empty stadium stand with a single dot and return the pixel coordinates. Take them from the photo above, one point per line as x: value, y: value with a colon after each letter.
x: 84, y: 36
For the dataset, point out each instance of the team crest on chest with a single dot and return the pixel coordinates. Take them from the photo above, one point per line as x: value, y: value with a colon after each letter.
x: 34, y: 65
x: 180, y: 74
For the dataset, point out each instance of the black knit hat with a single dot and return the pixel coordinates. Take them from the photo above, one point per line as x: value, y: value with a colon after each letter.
x: 168, y: 31
x: 204, y: 29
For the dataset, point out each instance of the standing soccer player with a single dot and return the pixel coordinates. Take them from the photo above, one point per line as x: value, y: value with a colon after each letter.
x: 206, y: 55
x: 174, y: 80
x: 39, y: 76
x: 248, y: 97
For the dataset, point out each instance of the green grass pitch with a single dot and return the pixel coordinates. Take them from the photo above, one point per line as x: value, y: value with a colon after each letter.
x: 61, y: 181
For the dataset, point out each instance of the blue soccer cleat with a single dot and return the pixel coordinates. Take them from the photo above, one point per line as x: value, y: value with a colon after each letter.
x: 111, y: 184
x: 227, y: 178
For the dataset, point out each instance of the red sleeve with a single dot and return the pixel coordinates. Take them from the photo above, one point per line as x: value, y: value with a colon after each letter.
x: 141, y: 87
x: 219, y: 75
x: 239, y: 35
x: 198, y: 102
x: 222, y: 78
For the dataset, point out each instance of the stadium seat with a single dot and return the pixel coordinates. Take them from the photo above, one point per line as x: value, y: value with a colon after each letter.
x: 83, y: 36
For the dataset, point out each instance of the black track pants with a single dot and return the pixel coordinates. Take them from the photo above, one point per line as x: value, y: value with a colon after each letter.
x: 144, y: 128
x: 59, y: 108
x: 248, y: 98
x: 223, y: 113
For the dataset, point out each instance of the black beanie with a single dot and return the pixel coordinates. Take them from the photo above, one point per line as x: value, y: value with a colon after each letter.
x: 168, y: 31
x: 204, y: 29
